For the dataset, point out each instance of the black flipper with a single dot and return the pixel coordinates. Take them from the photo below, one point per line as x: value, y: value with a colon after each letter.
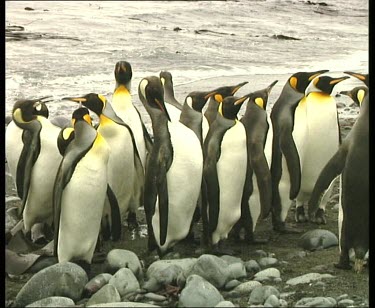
x: 246, y: 221
x: 31, y: 140
x: 162, y: 189
x: 332, y: 169
x: 289, y: 149
x: 115, y: 214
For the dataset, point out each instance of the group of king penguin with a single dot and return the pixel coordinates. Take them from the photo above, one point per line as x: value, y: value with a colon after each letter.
x: 83, y: 179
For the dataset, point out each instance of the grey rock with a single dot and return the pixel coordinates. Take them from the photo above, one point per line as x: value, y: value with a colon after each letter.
x: 252, y: 266
x: 316, y: 302
x: 342, y: 296
x: 231, y: 259
x: 231, y: 284
x: 107, y: 294
x: 211, y: 268
x: 225, y: 304
x: 124, y: 304
x: 53, y: 301
x: 172, y: 274
x: 237, y: 270
x: 246, y: 287
x: 96, y: 283
x: 198, y: 292
x: 307, y: 278
x: 267, y: 262
x: 261, y: 253
x: 63, y: 279
x: 156, y: 267
x: 155, y: 297
x: 124, y: 281
x: 318, y: 239
x: 272, y: 300
x: 277, y: 279
x: 121, y: 258
x: 260, y: 294
x: 267, y: 274
x: 345, y: 303
x: 283, y: 303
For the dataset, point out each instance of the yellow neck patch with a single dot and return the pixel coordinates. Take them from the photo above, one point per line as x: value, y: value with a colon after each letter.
x: 122, y: 90
x: 360, y: 96
x: 105, y: 120
x: 67, y: 132
x: 220, y: 110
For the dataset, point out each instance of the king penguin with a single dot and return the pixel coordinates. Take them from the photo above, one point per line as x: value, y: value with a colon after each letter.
x: 362, y: 77
x: 352, y: 162
x: 173, y: 172
x: 125, y: 171
x: 321, y: 120
x: 79, y: 192
x: 257, y: 193
x: 213, y: 104
x: 285, y: 165
x: 173, y: 106
x: 33, y: 159
x: 224, y: 173
x: 124, y: 108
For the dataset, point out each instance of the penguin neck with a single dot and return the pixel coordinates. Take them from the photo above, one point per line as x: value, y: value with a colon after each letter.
x: 121, y: 97
x: 192, y: 119
x: 160, y: 126
x: 211, y: 111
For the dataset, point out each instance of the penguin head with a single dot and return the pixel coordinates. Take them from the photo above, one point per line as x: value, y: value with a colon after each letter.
x: 357, y: 94
x: 196, y: 100
x: 362, y: 77
x: 230, y: 106
x: 81, y: 114
x: 151, y: 94
x: 324, y: 84
x: 260, y: 97
x: 123, y: 74
x: 223, y: 92
x: 300, y: 81
x: 27, y: 110
x: 166, y: 79
x: 94, y: 102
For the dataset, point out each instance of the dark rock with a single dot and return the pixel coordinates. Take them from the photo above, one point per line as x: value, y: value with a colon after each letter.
x: 318, y: 239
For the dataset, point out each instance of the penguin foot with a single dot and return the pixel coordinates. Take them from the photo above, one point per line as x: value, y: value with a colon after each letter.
x: 343, y: 265
x: 300, y: 215
x: 284, y: 229
x: 358, y: 265
x: 320, y: 218
x: 132, y: 221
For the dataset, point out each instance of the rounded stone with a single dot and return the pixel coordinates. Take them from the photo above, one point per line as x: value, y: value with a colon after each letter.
x: 107, y: 294
x: 96, y: 283
x: 252, y: 266
x: 121, y: 258
x: 267, y: 262
x: 260, y: 294
x: 53, y: 301
x: 318, y: 239
x: 124, y: 281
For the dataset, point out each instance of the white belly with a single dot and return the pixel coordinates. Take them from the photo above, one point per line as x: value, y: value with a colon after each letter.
x: 231, y: 169
x: 268, y: 145
x: 184, y: 183
x: 174, y: 112
x: 205, y: 127
x: 82, y: 207
x: 121, y: 170
x: 322, y: 142
x: 254, y: 202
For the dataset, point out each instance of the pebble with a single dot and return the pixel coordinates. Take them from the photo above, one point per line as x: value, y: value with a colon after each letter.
x: 61, y: 279
x: 156, y: 267
x: 318, y: 239
x: 260, y: 253
x: 231, y: 259
x: 237, y: 270
x: 232, y: 284
x: 244, y: 288
x: 316, y: 302
x: 96, y: 283
x: 307, y: 278
x: 124, y: 304
x: 225, y: 304
x: 345, y: 303
x: 155, y: 297
x: 173, y: 274
x: 284, y: 295
x: 124, y: 281
x: 252, y: 266
x: 211, y: 268
x: 267, y: 274
x: 283, y: 303
x: 198, y: 292
x: 342, y: 296
x: 53, y: 301
x: 121, y: 258
x: 267, y: 262
x: 107, y: 294
x: 260, y: 294
x: 272, y: 300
